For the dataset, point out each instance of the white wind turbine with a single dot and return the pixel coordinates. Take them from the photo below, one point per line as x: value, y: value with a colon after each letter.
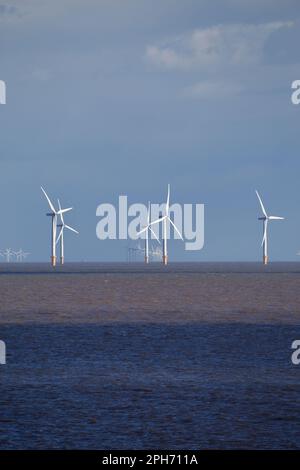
x: 53, y: 214
x: 132, y: 252
x: 164, y: 219
x: 8, y: 254
x: 265, y: 218
x: 148, y: 229
x: 21, y: 255
x: 62, y: 227
x: 156, y: 253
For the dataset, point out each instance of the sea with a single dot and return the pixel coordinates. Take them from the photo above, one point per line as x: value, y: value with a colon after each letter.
x: 126, y: 356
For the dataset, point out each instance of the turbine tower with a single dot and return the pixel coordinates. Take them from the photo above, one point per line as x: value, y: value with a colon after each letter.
x: 62, y: 227
x: 147, y: 230
x: 53, y: 214
x: 265, y: 218
x: 164, y: 219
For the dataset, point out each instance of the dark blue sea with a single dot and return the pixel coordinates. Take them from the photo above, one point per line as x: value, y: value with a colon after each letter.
x: 122, y: 356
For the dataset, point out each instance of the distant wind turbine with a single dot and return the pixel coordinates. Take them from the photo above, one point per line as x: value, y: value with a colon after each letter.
x: 53, y: 214
x: 62, y: 227
x: 156, y: 253
x: 148, y: 229
x: 21, y: 255
x: 8, y: 254
x: 132, y: 252
x: 265, y: 218
x: 164, y: 219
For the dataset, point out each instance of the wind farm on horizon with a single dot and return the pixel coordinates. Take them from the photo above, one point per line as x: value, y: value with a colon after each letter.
x: 10, y: 255
x: 149, y: 253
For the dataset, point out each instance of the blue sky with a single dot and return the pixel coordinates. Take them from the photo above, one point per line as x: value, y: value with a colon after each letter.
x: 121, y: 97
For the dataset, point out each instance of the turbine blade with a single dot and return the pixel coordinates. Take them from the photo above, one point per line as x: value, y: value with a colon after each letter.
x: 71, y: 228
x: 168, y: 201
x: 60, y: 234
x: 274, y: 217
x: 175, y: 228
x: 142, y: 231
x: 60, y: 213
x: 48, y: 199
x: 153, y: 233
x: 265, y: 233
x: 148, y: 213
x: 261, y: 204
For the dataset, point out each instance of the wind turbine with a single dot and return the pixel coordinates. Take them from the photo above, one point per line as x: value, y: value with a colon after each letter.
x: 8, y: 254
x: 265, y: 218
x: 53, y: 214
x: 21, y: 255
x: 147, y: 230
x: 164, y: 219
x: 156, y: 253
x: 62, y: 227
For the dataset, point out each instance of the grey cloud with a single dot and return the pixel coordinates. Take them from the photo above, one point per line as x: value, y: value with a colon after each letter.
x: 234, y: 44
x: 7, y: 10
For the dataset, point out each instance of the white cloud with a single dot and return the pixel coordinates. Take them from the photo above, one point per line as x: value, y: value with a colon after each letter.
x: 217, y: 45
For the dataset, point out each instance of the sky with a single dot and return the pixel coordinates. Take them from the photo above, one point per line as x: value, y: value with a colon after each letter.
x: 114, y: 97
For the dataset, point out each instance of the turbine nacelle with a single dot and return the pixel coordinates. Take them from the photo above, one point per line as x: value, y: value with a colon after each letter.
x: 54, y: 212
x: 162, y: 217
